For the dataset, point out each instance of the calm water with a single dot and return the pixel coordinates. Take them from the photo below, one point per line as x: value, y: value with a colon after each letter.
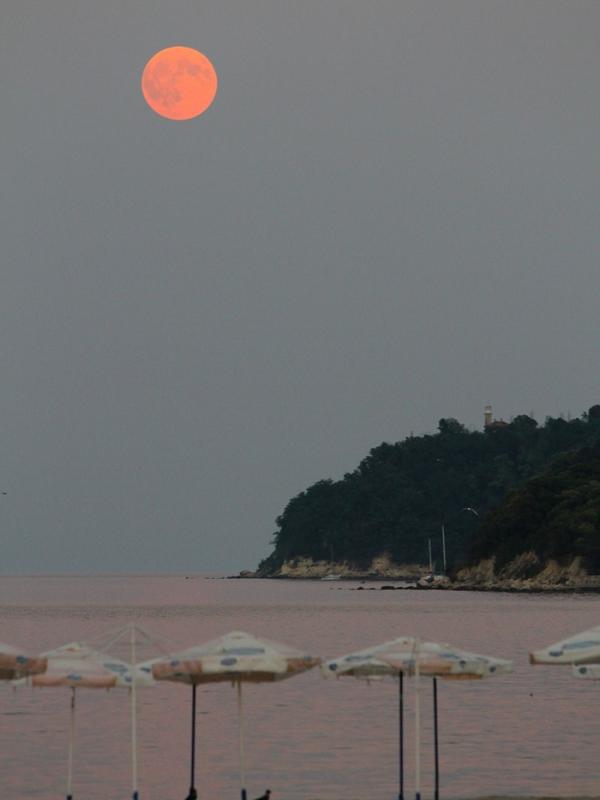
x: 534, y: 732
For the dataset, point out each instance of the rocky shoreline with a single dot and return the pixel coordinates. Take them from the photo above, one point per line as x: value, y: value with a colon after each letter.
x: 525, y: 574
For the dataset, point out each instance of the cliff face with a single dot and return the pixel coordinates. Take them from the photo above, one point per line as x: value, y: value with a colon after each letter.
x: 381, y: 567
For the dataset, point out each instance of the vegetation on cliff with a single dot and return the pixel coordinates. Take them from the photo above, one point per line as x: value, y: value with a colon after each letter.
x: 555, y: 515
x: 401, y: 494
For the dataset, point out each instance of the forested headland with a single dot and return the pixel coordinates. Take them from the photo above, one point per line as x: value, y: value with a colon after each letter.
x: 512, y: 488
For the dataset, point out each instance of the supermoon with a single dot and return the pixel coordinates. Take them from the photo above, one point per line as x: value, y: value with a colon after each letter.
x: 179, y: 83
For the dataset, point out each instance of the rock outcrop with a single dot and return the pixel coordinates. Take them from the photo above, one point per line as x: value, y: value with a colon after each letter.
x: 526, y: 573
x: 382, y: 567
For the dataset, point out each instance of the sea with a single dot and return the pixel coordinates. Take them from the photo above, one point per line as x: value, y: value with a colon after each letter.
x: 535, y: 732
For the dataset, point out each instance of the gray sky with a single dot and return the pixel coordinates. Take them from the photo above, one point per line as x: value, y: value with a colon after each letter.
x: 389, y: 215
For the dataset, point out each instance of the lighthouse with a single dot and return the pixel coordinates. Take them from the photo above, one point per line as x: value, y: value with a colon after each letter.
x: 487, y: 416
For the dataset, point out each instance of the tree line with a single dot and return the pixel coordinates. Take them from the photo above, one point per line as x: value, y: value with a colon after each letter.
x: 530, y: 484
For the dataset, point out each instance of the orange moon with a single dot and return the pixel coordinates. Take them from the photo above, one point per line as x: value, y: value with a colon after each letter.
x: 179, y: 82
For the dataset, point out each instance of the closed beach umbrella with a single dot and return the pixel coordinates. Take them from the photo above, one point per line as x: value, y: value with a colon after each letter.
x: 582, y: 648
x: 78, y: 666
x: 435, y: 660
x: 14, y: 663
x: 235, y: 658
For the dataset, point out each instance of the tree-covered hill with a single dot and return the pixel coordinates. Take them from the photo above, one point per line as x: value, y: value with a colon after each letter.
x: 555, y: 515
x: 400, y: 494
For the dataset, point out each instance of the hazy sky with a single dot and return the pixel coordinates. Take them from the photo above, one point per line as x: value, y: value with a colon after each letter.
x: 388, y: 215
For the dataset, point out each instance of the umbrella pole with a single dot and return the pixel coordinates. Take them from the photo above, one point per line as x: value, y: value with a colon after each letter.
x: 242, y: 753
x: 193, y: 794
x: 417, y: 733
x: 71, y: 746
x: 436, y: 750
x: 401, y: 734
x: 134, y: 766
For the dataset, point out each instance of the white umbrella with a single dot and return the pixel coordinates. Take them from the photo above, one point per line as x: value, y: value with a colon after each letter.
x: 408, y: 655
x: 582, y: 648
x: 128, y: 641
x: 77, y: 665
x: 365, y: 665
x: 581, y: 651
x: 235, y: 658
x: 439, y: 661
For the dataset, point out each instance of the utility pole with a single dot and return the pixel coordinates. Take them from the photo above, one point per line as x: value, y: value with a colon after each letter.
x: 430, y: 561
x: 466, y: 508
x: 444, y: 546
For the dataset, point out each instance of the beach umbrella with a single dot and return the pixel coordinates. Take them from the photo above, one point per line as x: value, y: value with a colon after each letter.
x: 77, y: 666
x: 15, y: 664
x: 365, y: 665
x: 411, y: 656
x: 435, y: 660
x: 581, y: 651
x: 582, y: 648
x: 235, y: 658
x: 129, y: 641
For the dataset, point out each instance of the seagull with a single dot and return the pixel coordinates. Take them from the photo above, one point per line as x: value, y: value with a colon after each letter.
x: 265, y: 796
x: 472, y: 510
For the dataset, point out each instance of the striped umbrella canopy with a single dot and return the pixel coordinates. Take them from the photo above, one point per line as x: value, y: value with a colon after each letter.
x: 411, y: 656
x: 14, y: 663
x: 235, y: 658
x: 78, y: 666
x: 582, y: 648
